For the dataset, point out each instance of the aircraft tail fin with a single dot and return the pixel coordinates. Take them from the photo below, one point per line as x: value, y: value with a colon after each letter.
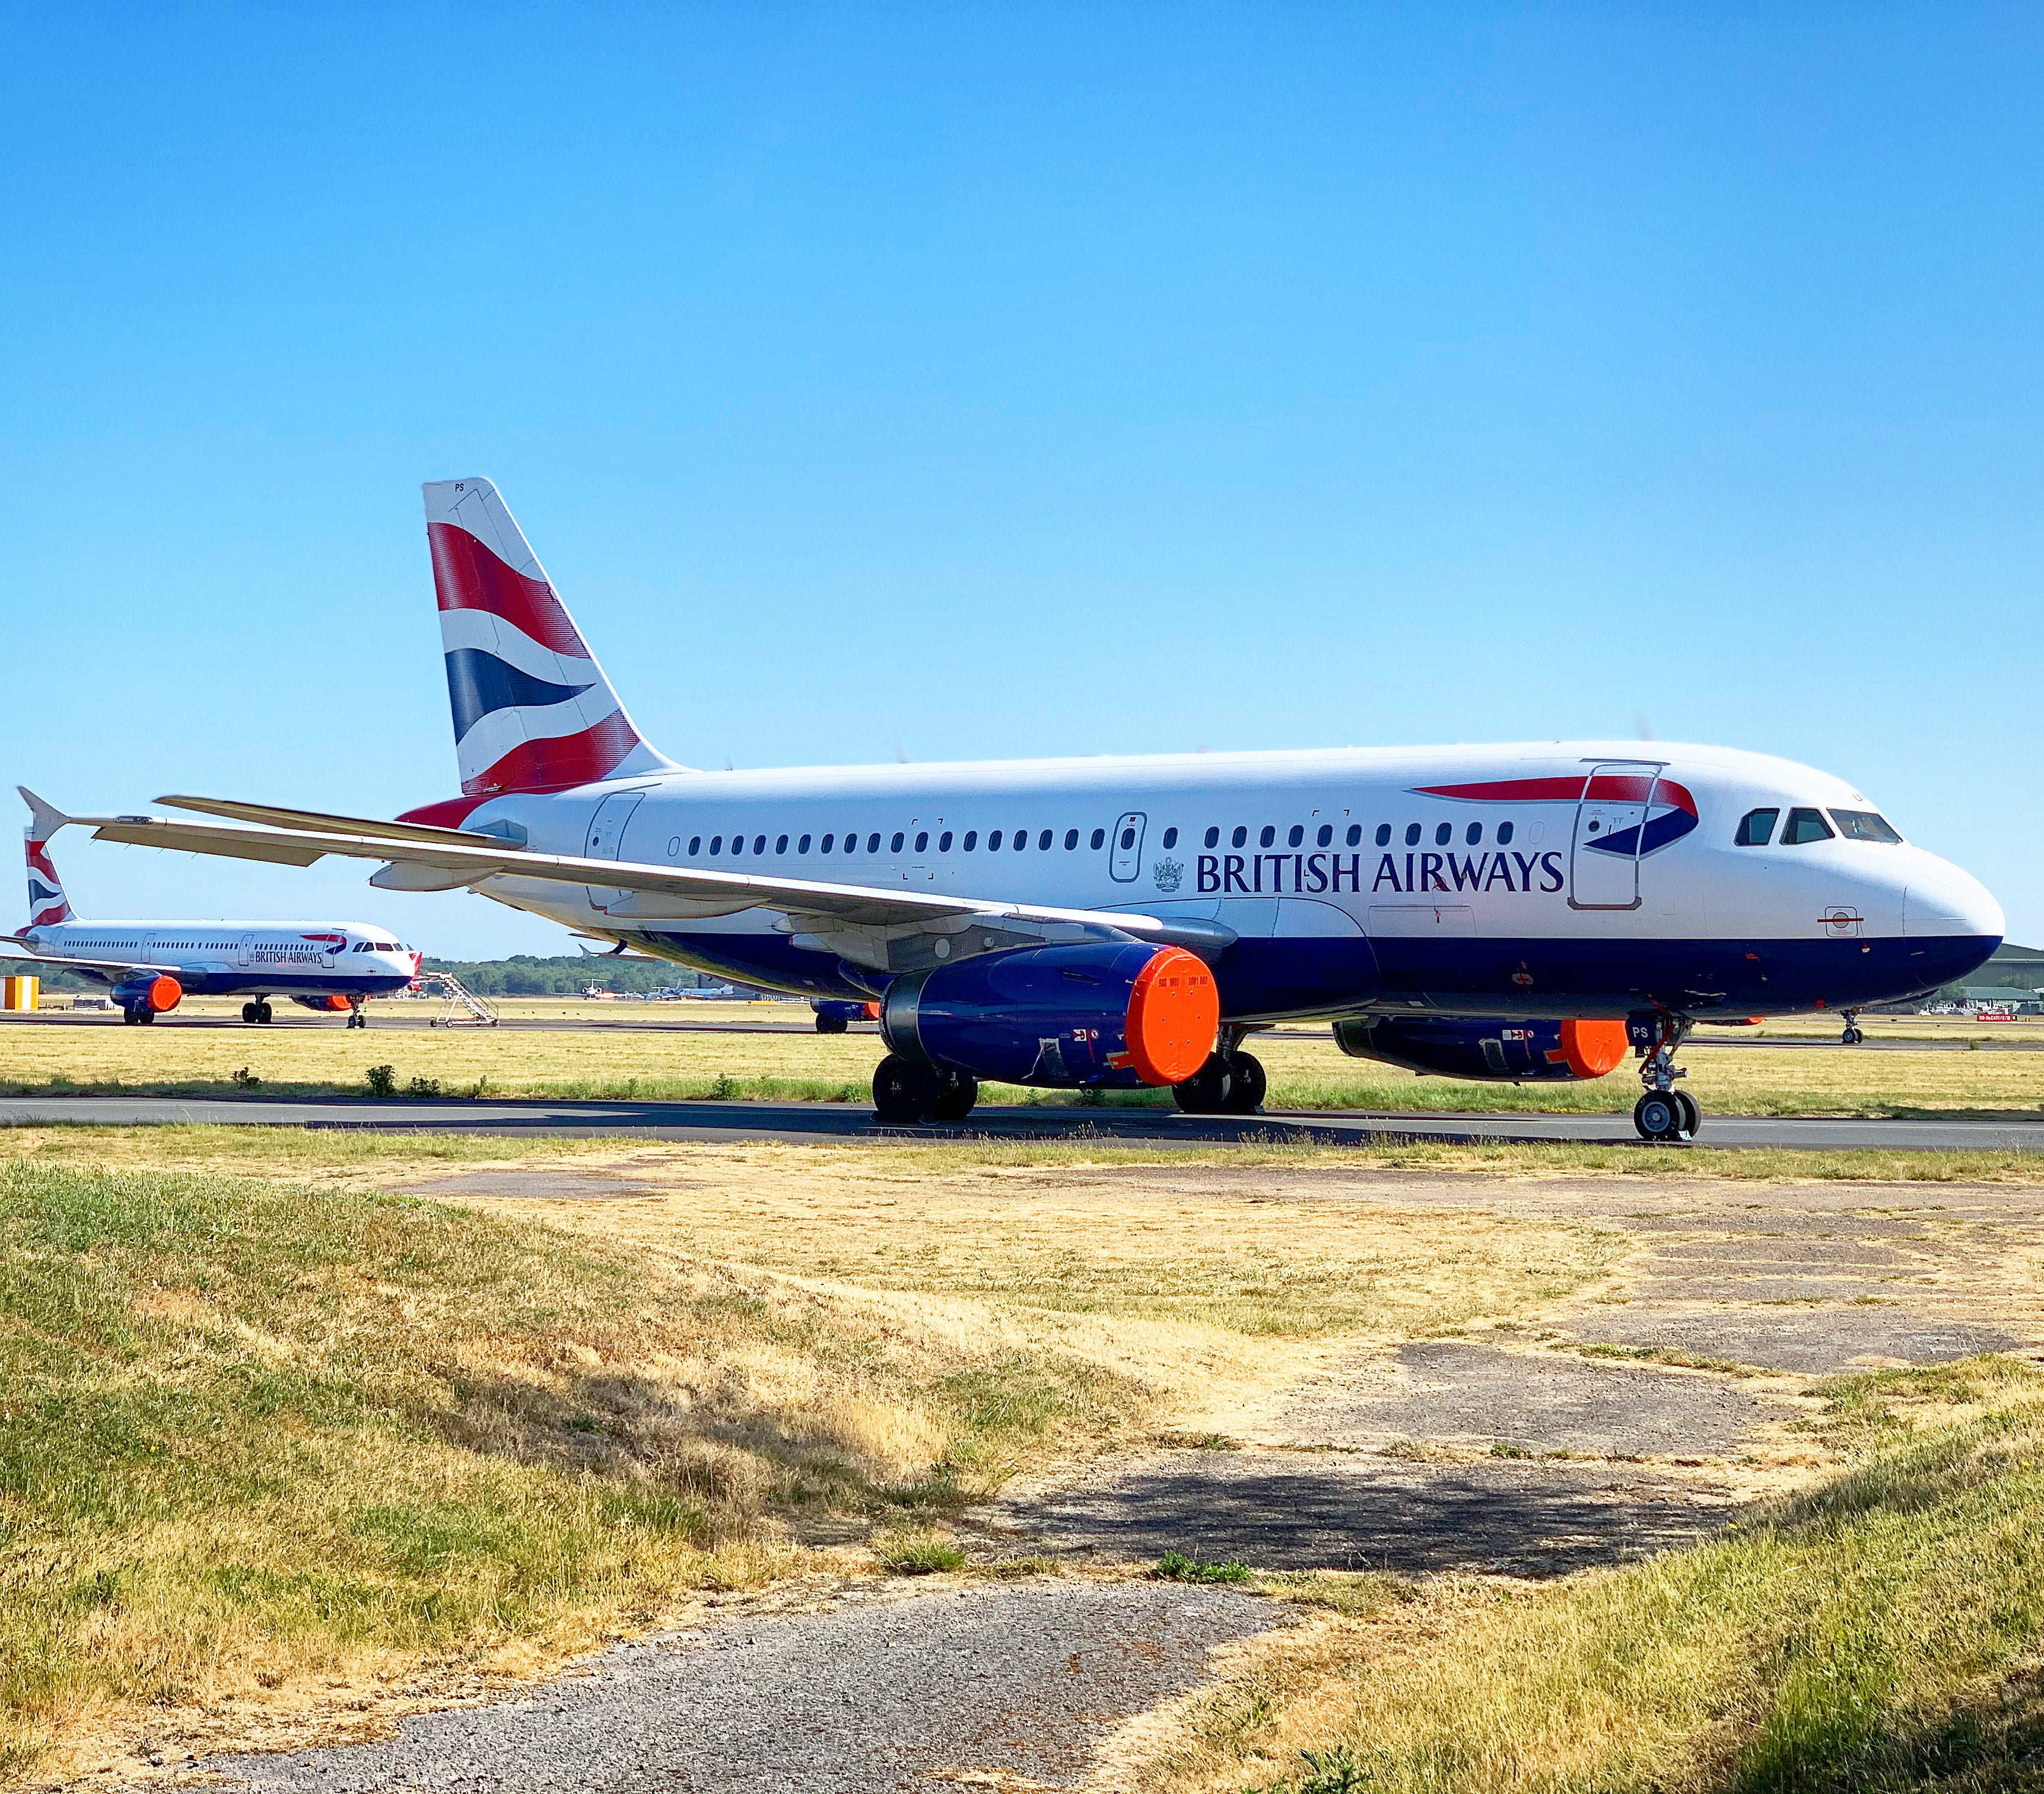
x: 47, y: 902
x: 532, y: 709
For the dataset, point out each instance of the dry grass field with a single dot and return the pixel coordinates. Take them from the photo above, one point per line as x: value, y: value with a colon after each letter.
x: 607, y: 1059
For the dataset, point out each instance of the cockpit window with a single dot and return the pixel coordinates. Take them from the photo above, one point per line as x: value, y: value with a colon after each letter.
x: 1864, y: 825
x: 1804, y: 826
x: 1756, y: 829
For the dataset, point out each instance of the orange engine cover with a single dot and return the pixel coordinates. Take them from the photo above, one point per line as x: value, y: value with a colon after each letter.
x: 1174, y: 1014
x: 164, y: 993
x: 1591, y: 1049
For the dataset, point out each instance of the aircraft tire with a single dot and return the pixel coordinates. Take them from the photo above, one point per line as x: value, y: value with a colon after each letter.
x: 1693, y: 1114
x: 1661, y: 1116
x: 130, y: 1017
x: 145, y: 1017
x: 1206, y: 1091
x: 263, y: 1012
x: 905, y: 1093
x: 831, y: 1025
x: 1246, y: 1086
x: 957, y: 1098
x: 248, y: 1011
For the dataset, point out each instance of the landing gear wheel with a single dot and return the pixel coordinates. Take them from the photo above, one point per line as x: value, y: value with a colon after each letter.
x: 905, y: 1093
x: 248, y: 1012
x: 131, y: 1016
x: 1852, y: 1036
x: 263, y: 1012
x: 1206, y: 1091
x: 145, y: 1017
x: 1660, y: 1117
x: 831, y: 1025
x: 1246, y: 1086
x: 1692, y: 1115
x: 955, y: 1102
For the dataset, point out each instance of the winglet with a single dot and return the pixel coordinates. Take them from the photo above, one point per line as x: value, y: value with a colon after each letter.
x: 44, y: 818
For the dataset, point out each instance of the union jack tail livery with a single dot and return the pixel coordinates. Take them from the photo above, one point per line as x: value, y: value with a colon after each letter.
x: 532, y: 710
x: 47, y: 902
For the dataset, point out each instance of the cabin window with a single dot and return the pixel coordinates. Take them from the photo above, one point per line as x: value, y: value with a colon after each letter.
x: 1043, y: 842
x: 695, y: 846
x: 993, y: 842
x: 1804, y: 827
x: 1295, y: 836
x: 1505, y: 834
x: 1354, y: 836
x: 923, y: 841
x: 759, y: 844
x: 1071, y: 840
x: 972, y: 839
x: 1864, y: 825
x: 894, y: 846
x: 738, y: 843
x: 716, y: 844
x: 1239, y: 838
x: 1384, y: 834
x: 1756, y: 829
x: 1171, y: 837
x: 1325, y: 838
x: 780, y: 846
x: 1099, y: 837
x: 1443, y: 833
x: 675, y: 847
x: 802, y: 846
x: 1473, y: 834
x: 1021, y: 839
x: 872, y: 843
x: 1213, y: 838
x: 944, y: 842
x: 1411, y: 834
x: 1267, y: 835
x: 829, y: 841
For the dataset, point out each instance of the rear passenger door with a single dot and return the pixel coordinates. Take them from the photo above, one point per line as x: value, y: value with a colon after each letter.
x: 1125, y: 850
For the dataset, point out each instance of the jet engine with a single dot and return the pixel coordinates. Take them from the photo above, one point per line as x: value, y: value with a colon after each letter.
x: 1097, y: 1016
x: 1521, y: 1052
x: 330, y: 1003
x: 146, y: 996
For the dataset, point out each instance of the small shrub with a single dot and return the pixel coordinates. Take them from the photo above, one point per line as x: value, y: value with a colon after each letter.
x: 423, y: 1087
x: 1329, y: 1772
x: 919, y: 1553
x: 724, y: 1089
x: 247, y: 1079
x: 382, y: 1080
x: 1175, y: 1567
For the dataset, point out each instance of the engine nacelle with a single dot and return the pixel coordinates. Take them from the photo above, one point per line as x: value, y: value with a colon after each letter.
x: 1514, y: 1051
x: 1060, y: 1017
x: 159, y: 993
x: 330, y: 1003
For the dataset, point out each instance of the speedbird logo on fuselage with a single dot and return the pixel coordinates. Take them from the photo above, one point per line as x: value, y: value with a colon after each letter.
x: 1666, y: 813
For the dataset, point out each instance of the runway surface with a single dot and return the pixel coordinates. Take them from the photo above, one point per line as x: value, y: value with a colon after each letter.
x: 799, y: 1122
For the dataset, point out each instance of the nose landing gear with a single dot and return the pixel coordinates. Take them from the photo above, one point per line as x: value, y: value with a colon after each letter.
x: 1853, y: 1034
x: 1666, y: 1115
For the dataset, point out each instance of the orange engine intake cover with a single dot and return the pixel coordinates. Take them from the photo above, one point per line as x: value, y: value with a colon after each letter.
x: 1174, y: 1014
x: 1591, y: 1049
x: 336, y: 1001
x: 165, y: 993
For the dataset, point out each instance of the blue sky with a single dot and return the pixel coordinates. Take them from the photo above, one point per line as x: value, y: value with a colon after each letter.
x: 968, y: 380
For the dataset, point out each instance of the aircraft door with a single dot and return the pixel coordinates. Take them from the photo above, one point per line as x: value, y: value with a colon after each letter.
x: 1127, y: 847
x: 244, y: 953
x: 606, y: 835
x: 1611, y: 820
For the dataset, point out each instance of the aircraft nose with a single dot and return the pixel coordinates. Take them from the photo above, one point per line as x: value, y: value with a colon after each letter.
x: 1942, y: 901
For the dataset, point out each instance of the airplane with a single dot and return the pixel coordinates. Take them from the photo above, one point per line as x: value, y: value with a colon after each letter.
x: 329, y: 967
x: 1523, y: 912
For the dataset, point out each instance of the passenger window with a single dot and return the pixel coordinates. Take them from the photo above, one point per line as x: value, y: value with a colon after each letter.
x: 923, y: 841
x: 1804, y: 826
x: 993, y: 842
x: 695, y: 846
x: 972, y: 839
x: 872, y: 843
x: 759, y: 844
x: 1071, y: 840
x: 1354, y: 836
x: 1505, y: 834
x: 716, y: 844
x: 894, y: 846
x: 780, y: 846
x: 1100, y: 839
x: 1384, y: 834
x: 1473, y: 834
x: 1171, y: 837
x: 944, y: 842
x: 1326, y: 836
x: 1239, y: 838
x: 1295, y: 836
x: 802, y: 846
x: 1213, y: 838
x: 1128, y: 839
x: 1411, y: 834
x: 1021, y: 839
x: 829, y: 842
x: 1864, y: 825
x: 1443, y: 833
x: 1043, y: 842
x: 1756, y: 829
x: 1267, y: 836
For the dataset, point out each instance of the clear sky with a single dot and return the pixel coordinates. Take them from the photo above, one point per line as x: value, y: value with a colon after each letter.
x: 964, y: 380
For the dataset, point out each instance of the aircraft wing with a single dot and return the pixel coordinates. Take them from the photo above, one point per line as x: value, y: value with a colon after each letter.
x: 872, y: 924
x: 9, y: 957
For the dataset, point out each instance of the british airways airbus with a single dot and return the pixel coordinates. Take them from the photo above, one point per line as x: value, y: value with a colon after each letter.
x: 1520, y: 912
x: 152, y: 967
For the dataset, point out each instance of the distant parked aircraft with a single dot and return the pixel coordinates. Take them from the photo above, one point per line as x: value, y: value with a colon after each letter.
x: 1513, y: 912
x: 151, y: 967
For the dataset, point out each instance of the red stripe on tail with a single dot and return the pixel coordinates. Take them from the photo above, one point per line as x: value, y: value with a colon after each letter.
x: 468, y: 576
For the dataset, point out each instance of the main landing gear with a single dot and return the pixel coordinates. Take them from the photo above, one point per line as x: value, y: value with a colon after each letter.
x: 1666, y: 1115
x: 259, y: 1010
x: 905, y: 1091
x: 139, y: 1016
x: 1232, y: 1082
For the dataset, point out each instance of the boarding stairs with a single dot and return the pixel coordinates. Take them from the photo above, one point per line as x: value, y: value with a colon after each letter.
x: 459, y: 1006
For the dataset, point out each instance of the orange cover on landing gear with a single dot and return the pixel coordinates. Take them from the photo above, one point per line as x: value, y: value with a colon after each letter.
x: 1174, y: 1014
